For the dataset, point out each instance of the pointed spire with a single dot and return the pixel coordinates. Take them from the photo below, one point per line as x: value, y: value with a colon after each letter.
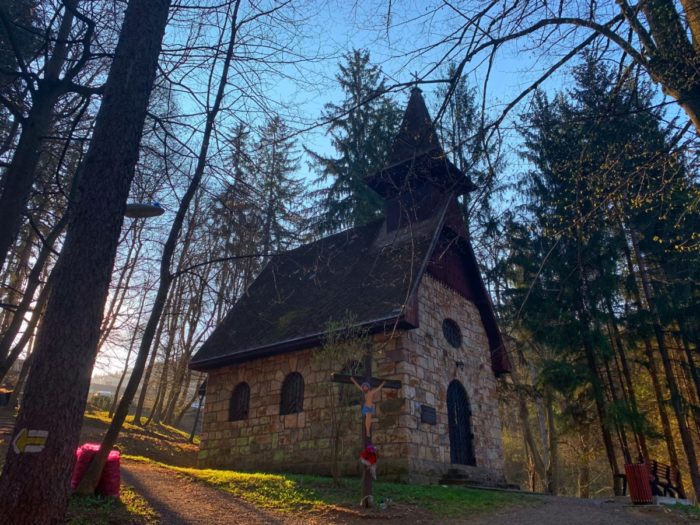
x: 417, y: 158
x: 417, y: 134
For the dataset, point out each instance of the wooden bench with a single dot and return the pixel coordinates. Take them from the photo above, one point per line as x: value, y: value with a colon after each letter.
x: 666, y: 480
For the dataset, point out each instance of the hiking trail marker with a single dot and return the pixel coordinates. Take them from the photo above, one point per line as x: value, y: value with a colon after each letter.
x: 29, y: 441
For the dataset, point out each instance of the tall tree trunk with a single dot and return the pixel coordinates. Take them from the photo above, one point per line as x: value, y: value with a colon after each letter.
x: 188, y: 403
x: 676, y: 400
x: 627, y: 375
x: 692, y: 367
x: 157, y: 407
x: 28, y: 331
x: 34, y: 485
x: 586, y: 322
x: 33, y: 282
x: 15, y: 274
x: 552, y: 445
x: 132, y: 343
x: 584, y: 469
x: 651, y: 359
x: 20, y: 174
x: 181, y: 398
x: 138, y: 413
x: 121, y: 286
x: 602, y: 412
x: 94, y: 471
x: 619, y: 426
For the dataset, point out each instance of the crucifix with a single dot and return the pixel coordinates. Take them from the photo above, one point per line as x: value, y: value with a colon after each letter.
x: 368, y: 385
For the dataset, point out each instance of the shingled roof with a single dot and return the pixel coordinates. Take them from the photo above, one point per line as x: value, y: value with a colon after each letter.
x: 363, y: 272
x: 370, y: 273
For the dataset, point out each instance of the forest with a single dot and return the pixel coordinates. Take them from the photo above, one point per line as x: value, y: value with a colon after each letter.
x: 252, y: 129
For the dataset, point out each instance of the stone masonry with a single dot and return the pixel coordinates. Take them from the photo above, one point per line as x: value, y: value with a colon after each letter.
x: 409, y: 450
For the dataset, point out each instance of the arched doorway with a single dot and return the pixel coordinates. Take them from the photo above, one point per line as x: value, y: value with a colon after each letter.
x: 459, y: 421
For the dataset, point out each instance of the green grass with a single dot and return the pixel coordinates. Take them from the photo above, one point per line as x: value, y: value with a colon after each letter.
x: 690, y: 511
x: 290, y: 492
x: 130, y: 509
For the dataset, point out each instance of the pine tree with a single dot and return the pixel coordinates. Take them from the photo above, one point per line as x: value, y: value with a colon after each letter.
x: 604, y: 184
x: 260, y: 212
x: 275, y: 159
x: 362, y: 131
x: 462, y: 137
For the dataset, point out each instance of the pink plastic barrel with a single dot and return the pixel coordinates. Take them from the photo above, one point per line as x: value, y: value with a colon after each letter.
x: 109, y: 480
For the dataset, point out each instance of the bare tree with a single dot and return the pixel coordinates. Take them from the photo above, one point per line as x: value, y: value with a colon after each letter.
x: 35, y: 484
x: 45, y: 91
x: 659, y: 36
x: 92, y: 476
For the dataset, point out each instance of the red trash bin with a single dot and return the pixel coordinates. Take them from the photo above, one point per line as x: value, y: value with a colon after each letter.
x: 639, y: 483
x: 110, y: 478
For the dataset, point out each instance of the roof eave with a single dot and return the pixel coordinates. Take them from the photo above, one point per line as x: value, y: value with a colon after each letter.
x: 403, y: 321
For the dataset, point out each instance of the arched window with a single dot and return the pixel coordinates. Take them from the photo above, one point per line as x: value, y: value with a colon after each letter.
x: 238, y: 404
x: 292, y: 398
x: 349, y: 394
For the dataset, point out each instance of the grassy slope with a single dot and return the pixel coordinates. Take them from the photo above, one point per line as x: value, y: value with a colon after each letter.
x: 158, y: 442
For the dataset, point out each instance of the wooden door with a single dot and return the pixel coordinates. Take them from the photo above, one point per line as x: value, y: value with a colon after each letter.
x: 459, y: 421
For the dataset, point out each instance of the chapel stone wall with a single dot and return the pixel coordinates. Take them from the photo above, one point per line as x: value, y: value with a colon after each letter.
x: 301, y: 442
x: 409, y: 449
x: 431, y: 364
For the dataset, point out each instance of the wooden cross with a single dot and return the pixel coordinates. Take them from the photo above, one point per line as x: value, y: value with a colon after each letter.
x: 366, y: 438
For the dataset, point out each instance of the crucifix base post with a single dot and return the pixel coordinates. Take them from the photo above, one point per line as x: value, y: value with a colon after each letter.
x: 367, y: 470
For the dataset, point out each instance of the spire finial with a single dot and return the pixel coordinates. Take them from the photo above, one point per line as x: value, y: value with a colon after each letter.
x: 415, y: 81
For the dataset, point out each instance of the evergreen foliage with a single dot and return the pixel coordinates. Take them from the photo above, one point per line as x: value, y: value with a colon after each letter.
x: 260, y: 211
x: 604, y: 182
x: 362, y: 130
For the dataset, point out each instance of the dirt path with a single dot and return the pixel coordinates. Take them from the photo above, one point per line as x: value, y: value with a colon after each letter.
x: 180, y: 501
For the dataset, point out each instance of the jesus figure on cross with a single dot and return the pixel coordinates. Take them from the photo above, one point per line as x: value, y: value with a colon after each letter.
x: 368, y: 403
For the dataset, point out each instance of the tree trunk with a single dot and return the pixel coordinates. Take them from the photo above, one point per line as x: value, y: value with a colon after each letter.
x: 676, y: 400
x: 20, y: 174
x: 584, y: 469
x: 15, y: 275
x: 619, y: 426
x: 692, y: 367
x: 188, y: 403
x: 33, y: 282
x: 121, y: 287
x: 26, y: 366
x: 627, y: 375
x: 132, y: 342
x: 138, y: 413
x: 552, y: 445
x: 92, y: 476
x: 651, y: 360
x: 28, y: 332
x: 34, y: 485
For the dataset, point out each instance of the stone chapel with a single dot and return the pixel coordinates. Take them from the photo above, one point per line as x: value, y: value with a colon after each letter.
x: 411, y: 280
